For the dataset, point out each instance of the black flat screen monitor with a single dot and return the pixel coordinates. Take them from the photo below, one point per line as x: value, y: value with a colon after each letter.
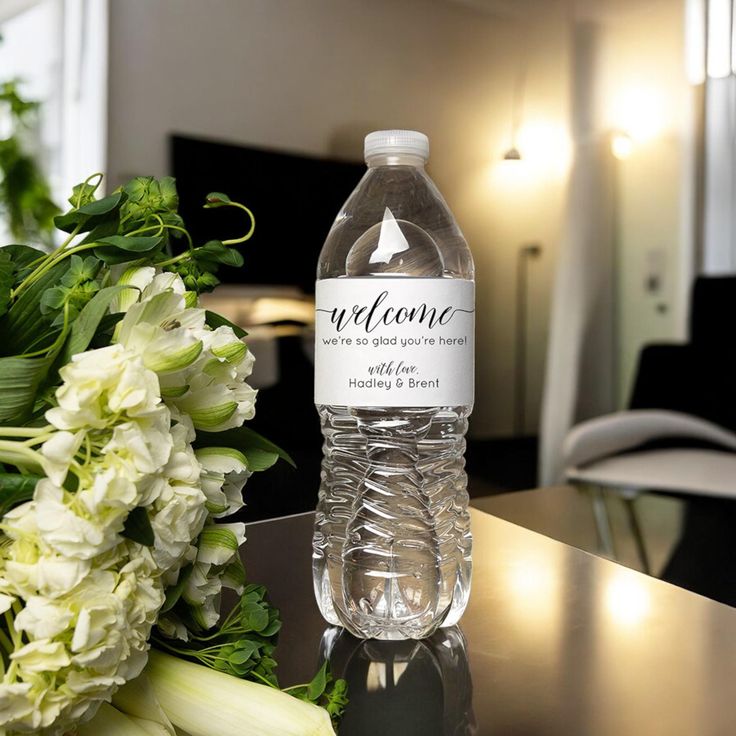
x: 295, y: 199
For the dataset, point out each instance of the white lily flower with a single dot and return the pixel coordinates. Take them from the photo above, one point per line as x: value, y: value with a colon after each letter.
x: 213, y: 406
x: 224, y: 473
x: 219, y: 543
x: 137, y: 277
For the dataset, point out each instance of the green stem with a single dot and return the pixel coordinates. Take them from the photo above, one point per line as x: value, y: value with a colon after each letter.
x: 249, y: 234
x: 16, y: 453
x: 100, y: 176
x: 17, y: 643
x: 57, y: 344
x: 73, y: 234
x: 24, y: 431
x: 182, y: 230
x: 6, y: 643
x: 161, y: 226
x: 265, y: 681
x: 175, y: 650
x: 41, y: 259
x: 40, y: 439
x: 226, y: 628
x: 56, y: 257
x: 175, y: 259
x: 295, y: 687
x: 146, y: 228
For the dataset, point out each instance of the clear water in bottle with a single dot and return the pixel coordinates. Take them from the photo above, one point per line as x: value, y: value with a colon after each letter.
x: 394, y: 389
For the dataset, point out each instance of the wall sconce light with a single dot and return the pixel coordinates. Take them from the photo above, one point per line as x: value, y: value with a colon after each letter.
x: 621, y: 145
x: 512, y: 154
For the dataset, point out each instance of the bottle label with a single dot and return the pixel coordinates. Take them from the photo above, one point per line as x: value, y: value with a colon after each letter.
x: 394, y: 342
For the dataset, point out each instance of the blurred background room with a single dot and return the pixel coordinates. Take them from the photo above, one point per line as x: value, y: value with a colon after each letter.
x: 587, y: 150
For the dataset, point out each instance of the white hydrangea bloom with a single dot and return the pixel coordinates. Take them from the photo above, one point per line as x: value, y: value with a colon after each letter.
x: 83, y: 597
x: 99, y: 384
x: 59, y: 452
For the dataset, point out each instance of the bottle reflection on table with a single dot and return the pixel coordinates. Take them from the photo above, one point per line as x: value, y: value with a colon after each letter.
x: 403, y: 688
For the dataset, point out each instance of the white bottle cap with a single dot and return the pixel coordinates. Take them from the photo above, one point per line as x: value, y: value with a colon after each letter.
x: 387, y: 142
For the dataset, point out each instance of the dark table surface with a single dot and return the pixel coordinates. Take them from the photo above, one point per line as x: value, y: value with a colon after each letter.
x: 554, y: 641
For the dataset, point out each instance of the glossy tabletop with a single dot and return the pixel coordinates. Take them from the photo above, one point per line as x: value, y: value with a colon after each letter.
x: 554, y: 641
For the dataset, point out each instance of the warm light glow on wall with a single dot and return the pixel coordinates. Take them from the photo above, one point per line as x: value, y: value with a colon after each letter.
x: 546, y: 145
x: 639, y: 112
x: 627, y: 599
x: 621, y: 145
x: 545, y: 153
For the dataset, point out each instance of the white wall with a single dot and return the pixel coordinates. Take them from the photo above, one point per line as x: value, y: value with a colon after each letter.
x: 316, y: 76
x: 645, y: 93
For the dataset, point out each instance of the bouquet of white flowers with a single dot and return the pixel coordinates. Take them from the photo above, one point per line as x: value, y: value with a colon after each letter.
x: 122, y: 449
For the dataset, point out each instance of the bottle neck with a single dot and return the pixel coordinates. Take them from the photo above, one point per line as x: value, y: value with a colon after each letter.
x: 395, y: 159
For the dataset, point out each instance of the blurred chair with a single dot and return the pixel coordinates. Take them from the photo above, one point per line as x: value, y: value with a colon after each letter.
x: 679, y: 435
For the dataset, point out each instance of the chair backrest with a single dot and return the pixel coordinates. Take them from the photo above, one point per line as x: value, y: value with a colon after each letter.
x: 698, y: 378
x: 712, y: 310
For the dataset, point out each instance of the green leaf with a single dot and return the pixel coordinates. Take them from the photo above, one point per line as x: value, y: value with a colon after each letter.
x: 102, y: 206
x: 215, y: 252
x: 244, y: 651
x: 68, y: 221
x: 86, y: 324
x: 104, y: 227
x: 335, y: 700
x: 92, y: 214
x: 174, y: 592
x: 20, y: 379
x: 16, y: 489
x: 260, y: 453
x: 6, y: 281
x: 216, y: 199
x: 21, y: 256
x: 133, y: 243
x: 318, y: 684
x: 83, y: 193
x: 169, y: 195
x: 138, y: 527
x: 53, y: 299
x: 254, y: 615
x: 215, y: 320
x: 23, y: 324
x: 121, y: 248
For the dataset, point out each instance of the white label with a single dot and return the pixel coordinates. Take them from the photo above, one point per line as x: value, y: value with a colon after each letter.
x: 394, y: 342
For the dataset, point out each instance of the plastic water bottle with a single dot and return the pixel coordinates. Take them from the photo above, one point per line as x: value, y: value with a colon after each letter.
x: 394, y: 389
